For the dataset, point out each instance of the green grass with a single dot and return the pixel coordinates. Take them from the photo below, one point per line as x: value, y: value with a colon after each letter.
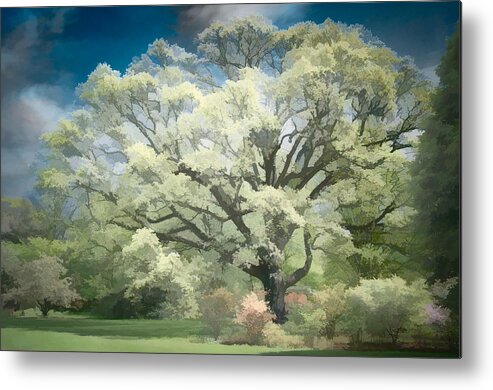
x: 378, y: 354
x: 81, y: 333
x: 87, y: 326
x: 21, y: 339
x: 78, y: 333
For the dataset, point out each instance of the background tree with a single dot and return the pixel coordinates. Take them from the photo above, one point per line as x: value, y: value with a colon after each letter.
x: 40, y: 283
x: 278, y: 153
x: 436, y: 178
x: 21, y: 220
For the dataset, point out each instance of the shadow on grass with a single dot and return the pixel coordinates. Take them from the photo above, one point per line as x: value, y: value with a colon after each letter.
x: 149, y: 329
x: 351, y: 353
x: 135, y: 329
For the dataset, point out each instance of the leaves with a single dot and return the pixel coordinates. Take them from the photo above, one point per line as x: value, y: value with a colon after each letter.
x: 304, y: 134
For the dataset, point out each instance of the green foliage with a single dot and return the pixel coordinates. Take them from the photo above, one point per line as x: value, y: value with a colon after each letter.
x: 21, y: 220
x: 275, y: 336
x: 436, y: 177
x: 385, y: 307
x: 37, y: 247
x: 217, y: 307
x: 319, y: 315
x: 331, y: 303
x: 89, y: 266
x: 149, y: 304
x: 220, y: 44
x: 149, y: 264
x: 437, y: 172
x: 446, y: 100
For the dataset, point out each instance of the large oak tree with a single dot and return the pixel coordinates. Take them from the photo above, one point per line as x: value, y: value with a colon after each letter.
x: 264, y: 137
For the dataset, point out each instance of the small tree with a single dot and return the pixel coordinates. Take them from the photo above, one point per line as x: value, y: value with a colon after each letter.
x: 331, y: 302
x: 390, y: 306
x: 41, y: 283
x: 318, y: 316
x: 216, y: 308
x: 253, y: 315
x: 354, y: 318
x: 147, y: 264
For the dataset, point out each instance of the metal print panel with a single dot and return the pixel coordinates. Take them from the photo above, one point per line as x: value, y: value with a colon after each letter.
x: 277, y: 179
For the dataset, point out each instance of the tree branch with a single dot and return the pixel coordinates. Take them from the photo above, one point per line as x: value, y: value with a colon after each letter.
x: 356, y: 228
x: 160, y: 219
x: 300, y: 273
x: 321, y: 186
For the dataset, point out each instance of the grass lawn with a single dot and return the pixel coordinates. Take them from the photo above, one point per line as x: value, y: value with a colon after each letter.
x: 79, y: 333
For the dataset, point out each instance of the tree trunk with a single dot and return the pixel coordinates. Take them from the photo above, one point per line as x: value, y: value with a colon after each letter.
x: 356, y: 338
x: 274, y: 282
x: 45, y: 307
x: 275, y: 290
x: 394, y: 335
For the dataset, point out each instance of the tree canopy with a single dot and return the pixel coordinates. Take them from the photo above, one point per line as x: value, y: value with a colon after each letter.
x: 264, y: 139
x: 436, y: 172
x: 436, y: 176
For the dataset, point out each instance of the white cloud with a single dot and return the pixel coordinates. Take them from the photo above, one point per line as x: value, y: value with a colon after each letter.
x: 225, y: 12
x: 41, y: 111
x: 196, y: 18
x: 430, y: 74
x: 31, y: 112
x: 29, y: 108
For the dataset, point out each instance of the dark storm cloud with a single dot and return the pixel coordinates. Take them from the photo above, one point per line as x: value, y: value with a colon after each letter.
x: 33, y: 95
x: 27, y: 47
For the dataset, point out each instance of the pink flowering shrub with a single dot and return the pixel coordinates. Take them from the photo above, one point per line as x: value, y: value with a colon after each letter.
x: 436, y: 315
x: 253, y: 314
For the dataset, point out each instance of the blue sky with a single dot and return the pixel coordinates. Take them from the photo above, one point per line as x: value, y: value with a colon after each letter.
x: 46, y: 52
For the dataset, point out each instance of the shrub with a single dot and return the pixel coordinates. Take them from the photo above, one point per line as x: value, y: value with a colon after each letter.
x: 312, y: 323
x: 275, y: 336
x: 318, y: 316
x: 386, y: 306
x: 354, y: 318
x: 147, y: 302
x: 447, y: 296
x: 115, y: 306
x: 216, y: 308
x: 436, y: 315
x: 230, y: 337
x: 331, y: 304
x: 253, y: 315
